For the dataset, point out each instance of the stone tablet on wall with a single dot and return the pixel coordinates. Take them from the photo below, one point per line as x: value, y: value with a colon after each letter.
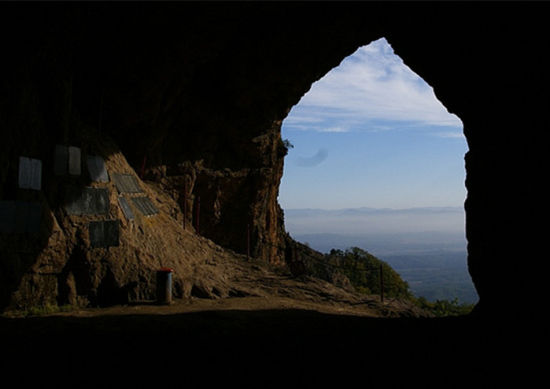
x: 20, y: 217
x: 7, y: 216
x: 30, y: 173
x: 126, y: 183
x: 74, y: 161
x: 96, y: 168
x: 27, y: 217
x: 126, y: 210
x: 34, y: 218
x: 60, y: 160
x: 104, y: 233
x: 86, y: 201
x: 145, y: 206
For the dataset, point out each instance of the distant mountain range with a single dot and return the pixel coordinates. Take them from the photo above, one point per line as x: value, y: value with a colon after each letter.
x: 367, y: 210
x: 383, y: 244
x: 360, y: 221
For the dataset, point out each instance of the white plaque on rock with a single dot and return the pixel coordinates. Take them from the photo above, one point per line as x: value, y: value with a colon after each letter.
x: 74, y: 161
x: 96, y: 168
x: 30, y: 173
x: 7, y: 216
x: 60, y: 161
x: 126, y: 210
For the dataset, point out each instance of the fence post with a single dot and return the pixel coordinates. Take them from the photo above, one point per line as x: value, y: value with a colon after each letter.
x: 184, y: 203
x: 100, y: 113
x: 381, y: 284
x: 248, y: 241
x: 197, y: 223
x: 142, y: 171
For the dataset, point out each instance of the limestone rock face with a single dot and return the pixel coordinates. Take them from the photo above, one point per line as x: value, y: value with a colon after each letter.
x: 192, y: 97
x: 62, y: 265
x: 236, y: 208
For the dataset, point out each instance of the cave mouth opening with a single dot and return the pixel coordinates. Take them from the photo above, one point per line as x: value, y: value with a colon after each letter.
x: 375, y: 161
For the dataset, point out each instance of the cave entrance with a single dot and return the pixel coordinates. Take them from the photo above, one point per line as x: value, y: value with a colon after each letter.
x: 376, y: 161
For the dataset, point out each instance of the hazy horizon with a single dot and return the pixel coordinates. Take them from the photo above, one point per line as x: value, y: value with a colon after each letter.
x: 366, y: 220
x: 426, y: 245
x: 382, y: 208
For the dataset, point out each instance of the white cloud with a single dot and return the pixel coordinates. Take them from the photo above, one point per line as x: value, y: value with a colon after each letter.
x: 334, y: 129
x: 454, y: 135
x: 372, y: 85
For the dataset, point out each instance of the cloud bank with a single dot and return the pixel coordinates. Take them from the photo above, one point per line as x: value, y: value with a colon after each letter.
x: 361, y: 221
x: 369, y: 89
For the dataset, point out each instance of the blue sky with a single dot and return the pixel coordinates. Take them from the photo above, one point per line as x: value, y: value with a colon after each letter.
x: 371, y: 133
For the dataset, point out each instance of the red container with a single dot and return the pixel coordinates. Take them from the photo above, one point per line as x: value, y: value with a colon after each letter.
x: 164, y: 285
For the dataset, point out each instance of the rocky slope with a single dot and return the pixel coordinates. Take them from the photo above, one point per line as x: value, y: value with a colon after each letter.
x: 73, y: 266
x: 64, y: 266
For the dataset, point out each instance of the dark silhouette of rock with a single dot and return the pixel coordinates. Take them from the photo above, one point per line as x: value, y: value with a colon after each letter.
x: 196, y: 94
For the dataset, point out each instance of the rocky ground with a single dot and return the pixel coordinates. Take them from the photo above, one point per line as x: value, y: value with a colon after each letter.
x: 252, y: 285
x: 250, y: 341
x: 260, y: 327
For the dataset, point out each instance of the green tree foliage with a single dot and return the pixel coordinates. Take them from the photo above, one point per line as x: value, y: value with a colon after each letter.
x: 363, y: 271
x: 444, y: 307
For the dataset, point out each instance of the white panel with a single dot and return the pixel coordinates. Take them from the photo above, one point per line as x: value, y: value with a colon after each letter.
x: 24, y: 172
x: 61, y: 158
x: 36, y: 171
x: 126, y: 210
x: 74, y: 161
x: 87, y: 201
x: 34, y: 218
x: 144, y: 205
x: 21, y: 216
x: 96, y: 167
x: 104, y: 233
x: 30, y: 173
x: 7, y: 216
x: 126, y: 183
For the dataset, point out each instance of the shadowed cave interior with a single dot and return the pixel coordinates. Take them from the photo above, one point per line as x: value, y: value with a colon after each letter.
x: 196, y: 93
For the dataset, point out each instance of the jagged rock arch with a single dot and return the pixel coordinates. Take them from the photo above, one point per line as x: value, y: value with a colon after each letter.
x: 200, y: 90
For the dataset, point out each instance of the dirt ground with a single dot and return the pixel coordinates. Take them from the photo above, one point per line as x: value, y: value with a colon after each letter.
x: 257, y: 342
x: 192, y: 304
x: 284, y: 332
x: 278, y: 293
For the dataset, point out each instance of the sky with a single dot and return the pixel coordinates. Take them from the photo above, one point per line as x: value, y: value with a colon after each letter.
x: 371, y: 133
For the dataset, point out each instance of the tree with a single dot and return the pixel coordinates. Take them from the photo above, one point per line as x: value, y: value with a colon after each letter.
x: 363, y: 271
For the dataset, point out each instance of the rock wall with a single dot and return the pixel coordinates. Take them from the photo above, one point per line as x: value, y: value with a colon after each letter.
x: 66, y: 262
x: 193, y: 96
